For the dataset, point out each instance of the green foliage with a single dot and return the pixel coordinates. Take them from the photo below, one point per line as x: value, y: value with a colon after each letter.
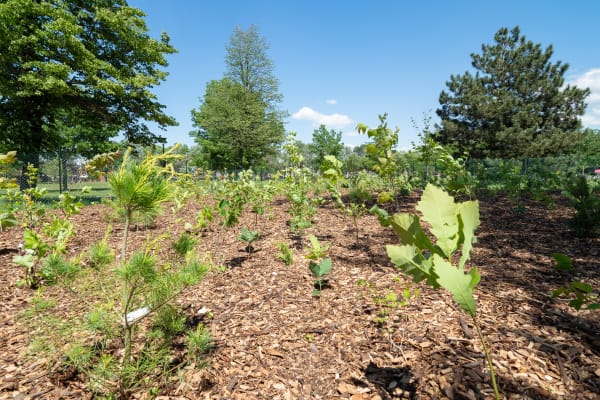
x: 516, y: 104
x: 316, y: 250
x: 6, y: 160
x: 382, y: 152
x: 55, y: 267
x: 184, y: 244
x: 141, y: 186
x: 319, y: 264
x: 235, y: 130
x: 325, y: 142
x: 239, y: 124
x: 582, y: 294
x: 248, y: 237
x: 100, y: 255
x: 53, y: 244
x: 584, y: 198
x: 298, y: 184
x: 453, y: 225
x: 285, y: 254
x: 199, y: 342
x: 86, y: 65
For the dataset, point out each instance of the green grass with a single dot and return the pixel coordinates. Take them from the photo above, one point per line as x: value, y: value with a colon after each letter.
x: 99, y: 191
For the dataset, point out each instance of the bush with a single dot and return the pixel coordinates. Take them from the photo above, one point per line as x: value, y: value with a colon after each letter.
x: 583, y: 196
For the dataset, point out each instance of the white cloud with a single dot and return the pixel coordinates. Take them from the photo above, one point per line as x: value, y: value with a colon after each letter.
x: 591, y: 80
x: 329, y: 120
x: 331, y: 101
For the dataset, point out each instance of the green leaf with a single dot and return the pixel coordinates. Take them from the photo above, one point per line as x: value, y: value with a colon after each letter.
x: 563, y: 262
x: 412, y: 263
x: 440, y: 210
x: 7, y: 220
x: 381, y: 214
x: 384, y: 197
x: 27, y: 260
x: 408, y: 228
x: 469, y: 217
x: 320, y: 269
x: 459, y: 284
x: 248, y: 235
x: 582, y: 287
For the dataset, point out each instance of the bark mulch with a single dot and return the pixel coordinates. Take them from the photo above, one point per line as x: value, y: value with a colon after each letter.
x: 274, y: 340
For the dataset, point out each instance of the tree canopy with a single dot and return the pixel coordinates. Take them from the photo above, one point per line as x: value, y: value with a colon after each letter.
x: 516, y: 104
x: 235, y: 129
x: 325, y: 142
x: 238, y: 122
x: 86, y: 64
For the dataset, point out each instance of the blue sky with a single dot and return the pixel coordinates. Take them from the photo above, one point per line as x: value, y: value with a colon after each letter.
x: 342, y: 62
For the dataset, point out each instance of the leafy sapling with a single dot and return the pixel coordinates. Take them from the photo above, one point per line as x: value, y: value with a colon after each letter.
x: 453, y: 225
x: 319, y: 264
x: 581, y: 294
x: 249, y: 237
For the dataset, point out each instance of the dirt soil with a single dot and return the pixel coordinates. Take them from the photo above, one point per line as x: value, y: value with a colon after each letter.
x: 274, y: 340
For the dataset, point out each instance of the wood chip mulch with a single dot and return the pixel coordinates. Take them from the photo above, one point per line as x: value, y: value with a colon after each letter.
x: 274, y: 340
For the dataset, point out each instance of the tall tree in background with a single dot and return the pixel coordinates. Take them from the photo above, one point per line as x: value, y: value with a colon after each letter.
x: 325, y: 142
x: 235, y: 129
x: 88, y: 63
x: 516, y: 104
x: 248, y: 64
x: 239, y: 124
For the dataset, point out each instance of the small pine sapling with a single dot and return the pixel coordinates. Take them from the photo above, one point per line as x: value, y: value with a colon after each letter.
x: 285, y: 254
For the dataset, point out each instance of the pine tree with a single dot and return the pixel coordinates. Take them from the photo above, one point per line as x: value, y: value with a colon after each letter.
x: 515, y: 105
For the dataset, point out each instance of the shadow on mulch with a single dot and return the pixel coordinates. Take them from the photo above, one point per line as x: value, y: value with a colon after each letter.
x: 387, y: 380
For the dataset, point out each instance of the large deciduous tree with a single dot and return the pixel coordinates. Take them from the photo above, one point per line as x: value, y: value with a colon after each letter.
x: 87, y: 63
x: 325, y: 142
x: 239, y: 124
x: 515, y: 105
x: 235, y: 129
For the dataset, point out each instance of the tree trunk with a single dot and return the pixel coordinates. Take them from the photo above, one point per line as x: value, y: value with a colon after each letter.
x: 64, y: 174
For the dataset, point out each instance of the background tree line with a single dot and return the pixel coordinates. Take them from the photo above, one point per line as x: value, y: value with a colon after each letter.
x: 77, y: 74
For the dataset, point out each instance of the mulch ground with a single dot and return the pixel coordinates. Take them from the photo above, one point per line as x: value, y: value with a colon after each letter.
x: 274, y: 340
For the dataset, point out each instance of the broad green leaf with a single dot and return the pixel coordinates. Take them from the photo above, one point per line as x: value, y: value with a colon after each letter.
x: 320, y: 269
x: 335, y: 163
x: 461, y: 285
x: 563, y: 262
x: 408, y: 228
x: 27, y: 260
x: 381, y: 214
x: 440, y: 210
x: 469, y: 216
x: 384, y: 197
x: 412, y: 263
x: 7, y: 220
x: 582, y: 287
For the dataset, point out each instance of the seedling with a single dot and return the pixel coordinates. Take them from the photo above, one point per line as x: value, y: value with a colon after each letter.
x: 583, y: 293
x: 453, y: 225
x: 319, y: 264
x: 285, y: 254
x: 319, y: 271
x: 249, y: 237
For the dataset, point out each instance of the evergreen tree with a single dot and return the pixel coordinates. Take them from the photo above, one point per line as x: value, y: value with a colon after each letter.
x: 516, y: 104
